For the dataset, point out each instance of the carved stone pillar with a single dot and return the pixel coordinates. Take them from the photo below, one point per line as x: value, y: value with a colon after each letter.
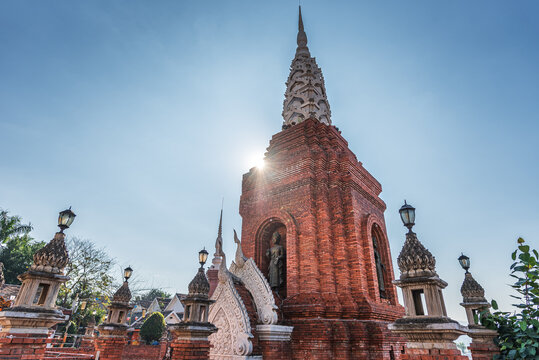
x: 25, y: 328
x: 190, y: 341
x: 473, y: 301
x: 113, y: 332
x: 426, y: 326
x: 274, y: 341
x: 190, y: 337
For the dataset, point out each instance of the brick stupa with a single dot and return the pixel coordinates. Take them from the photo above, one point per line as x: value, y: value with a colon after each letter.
x: 338, y: 292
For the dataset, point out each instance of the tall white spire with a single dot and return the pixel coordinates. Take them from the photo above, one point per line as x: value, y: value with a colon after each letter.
x: 305, y: 94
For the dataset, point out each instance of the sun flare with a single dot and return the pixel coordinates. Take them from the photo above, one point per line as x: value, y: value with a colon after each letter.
x: 256, y: 160
x: 260, y: 163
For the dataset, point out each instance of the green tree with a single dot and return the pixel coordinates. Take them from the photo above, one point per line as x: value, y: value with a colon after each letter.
x: 89, y: 271
x: 17, y: 256
x: 518, y: 332
x: 82, y: 317
x: 153, y: 328
x: 152, y: 294
x: 18, y: 247
x: 11, y: 227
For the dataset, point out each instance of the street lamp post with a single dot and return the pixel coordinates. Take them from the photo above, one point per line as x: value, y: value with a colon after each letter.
x: 34, y: 312
x: 65, y: 219
x: 407, y: 213
x: 464, y: 262
x: 202, y: 257
x: 127, y: 273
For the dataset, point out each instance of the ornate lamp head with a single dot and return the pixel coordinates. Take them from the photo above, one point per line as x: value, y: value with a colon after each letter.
x: 464, y: 262
x: 127, y: 273
x: 202, y: 257
x: 65, y: 219
x: 407, y: 213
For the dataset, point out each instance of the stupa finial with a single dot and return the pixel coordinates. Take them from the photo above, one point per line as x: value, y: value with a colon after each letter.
x: 219, y: 240
x: 217, y: 257
x: 302, y: 37
x: 305, y: 95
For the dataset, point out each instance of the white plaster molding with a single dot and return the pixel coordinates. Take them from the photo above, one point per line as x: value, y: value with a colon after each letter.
x: 274, y: 332
x: 28, y: 330
x: 256, y: 283
x: 240, y: 258
x: 235, y: 357
x: 258, y: 286
x: 229, y: 315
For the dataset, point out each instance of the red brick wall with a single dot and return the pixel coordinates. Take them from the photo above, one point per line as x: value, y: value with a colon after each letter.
x: 433, y: 354
x: 22, y: 346
x: 130, y: 352
x: 110, y: 348
x: 144, y: 352
x: 275, y: 350
x: 213, y: 279
x: 64, y: 353
x: 483, y: 351
x: 314, y: 186
x: 190, y: 350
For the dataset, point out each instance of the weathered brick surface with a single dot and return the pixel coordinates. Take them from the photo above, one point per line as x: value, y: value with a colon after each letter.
x: 212, y: 275
x: 326, y: 207
x: 130, y: 352
x: 483, y: 351
x: 433, y: 354
x: 190, y: 349
x: 80, y: 353
x: 275, y: 350
x: 22, y: 346
x: 111, y: 347
x: 144, y: 352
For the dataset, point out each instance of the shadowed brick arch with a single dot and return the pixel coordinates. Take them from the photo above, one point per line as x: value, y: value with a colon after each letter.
x: 285, y: 223
x: 374, y: 224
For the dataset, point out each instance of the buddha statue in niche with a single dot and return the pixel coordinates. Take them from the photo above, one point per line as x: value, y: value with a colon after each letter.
x: 276, y: 255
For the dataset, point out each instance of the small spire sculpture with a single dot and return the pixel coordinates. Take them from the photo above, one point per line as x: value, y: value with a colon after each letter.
x: 474, y: 302
x: 425, y: 324
x: 194, y: 330
x: 217, y: 257
x: 119, y: 306
x: 305, y: 95
x: 40, y: 286
x: 473, y: 294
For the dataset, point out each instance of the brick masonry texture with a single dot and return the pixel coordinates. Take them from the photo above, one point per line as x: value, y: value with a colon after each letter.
x: 22, y: 346
x: 326, y: 207
x: 483, y: 351
x: 433, y: 354
x: 190, y: 349
x: 142, y: 352
x: 111, y: 348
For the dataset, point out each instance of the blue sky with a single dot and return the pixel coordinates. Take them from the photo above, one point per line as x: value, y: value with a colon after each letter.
x: 144, y: 115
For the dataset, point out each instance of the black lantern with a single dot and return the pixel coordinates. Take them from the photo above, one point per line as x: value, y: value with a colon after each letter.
x: 407, y: 213
x: 65, y: 219
x: 128, y: 272
x: 464, y: 262
x: 202, y: 257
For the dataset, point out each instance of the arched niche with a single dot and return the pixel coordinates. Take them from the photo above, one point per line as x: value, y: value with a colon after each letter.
x: 377, y: 234
x: 263, y: 244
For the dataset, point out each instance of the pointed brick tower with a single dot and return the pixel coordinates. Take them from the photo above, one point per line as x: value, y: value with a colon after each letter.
x: 338, y: 291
